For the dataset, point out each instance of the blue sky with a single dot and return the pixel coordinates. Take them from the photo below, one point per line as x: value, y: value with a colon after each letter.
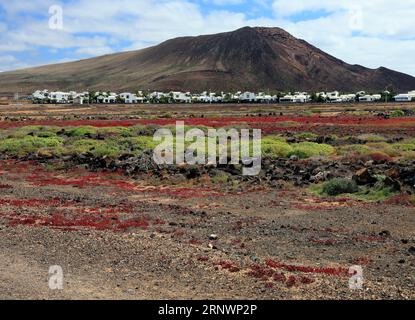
x: 372, y: 33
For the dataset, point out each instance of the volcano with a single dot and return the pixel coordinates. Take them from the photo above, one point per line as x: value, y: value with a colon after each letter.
x: 253, y: 59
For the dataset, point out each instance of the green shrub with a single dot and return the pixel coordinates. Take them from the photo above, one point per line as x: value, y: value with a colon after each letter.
x: 116, y: 131
x: 97, y: 148
x: 397, y: 114
x: 354, y: 149
x: 220, y: 178
x: 141, y: 130
x: 339, y: 186
x: 275, y: 148
x: 306, y: 150
x: 81, y: 131
x: 376, y: 193
x: 139, y: 143
x: 39, y: 131
x: 404, y: 146
x: 26, y: 145
x: 371, y: 138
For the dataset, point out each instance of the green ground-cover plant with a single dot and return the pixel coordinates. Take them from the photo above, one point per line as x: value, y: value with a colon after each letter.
x: 115, y: 141
x: 306, y: 150
x: 371, y: 138
x: 81, y: 131
x: 339, y: 186
x: 19, y: 147
x: 347, y: 187
x: 398, y: 114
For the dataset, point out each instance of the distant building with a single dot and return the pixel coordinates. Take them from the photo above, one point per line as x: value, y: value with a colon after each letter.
x: 405, y: 97
x: 181, y: 97
x: 370, y: 98
x: 298, y: 97
x: 130, y: 98
x: 247, y: 97
x: 333, y: 96
x: 61, y: 97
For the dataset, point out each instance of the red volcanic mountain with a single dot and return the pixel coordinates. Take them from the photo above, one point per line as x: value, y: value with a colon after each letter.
x: 245, y: 59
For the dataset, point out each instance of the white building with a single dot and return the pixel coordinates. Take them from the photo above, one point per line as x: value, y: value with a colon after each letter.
x: 41, y: 94
x: 298, y: 97
x: 112, y: 98
x: 129, y: 97
x: 61, y: 97
x: 247, y: 97
x: 107, y: 98
x: 370, y: 98
x: 209, y: 97
x: 262, y: 97
x: 181, y: 97
x: 157, y: 95
x: 333, y: 96
x: 405, y: 97
x: 348, y: 97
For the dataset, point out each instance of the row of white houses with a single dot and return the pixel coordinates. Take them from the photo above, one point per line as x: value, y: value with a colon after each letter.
x: 44, y: 96
x: 405, y: 97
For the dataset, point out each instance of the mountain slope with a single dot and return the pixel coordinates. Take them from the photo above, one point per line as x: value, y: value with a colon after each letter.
x: 246, y: 59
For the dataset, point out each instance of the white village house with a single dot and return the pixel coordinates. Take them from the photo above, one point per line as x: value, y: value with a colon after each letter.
x: 297, y: 97
x: 247, y: 97
x: 60, y: 97
x: 181, y: 97
x: 405, y: 97
x: 370, y: 98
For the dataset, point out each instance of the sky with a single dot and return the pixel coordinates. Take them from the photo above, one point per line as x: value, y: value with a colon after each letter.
x: 372, y: 33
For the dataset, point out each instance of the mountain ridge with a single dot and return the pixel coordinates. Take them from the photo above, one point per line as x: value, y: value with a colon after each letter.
x: 246, y: 59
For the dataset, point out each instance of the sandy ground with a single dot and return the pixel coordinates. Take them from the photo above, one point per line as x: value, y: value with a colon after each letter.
x: 119, y: 237
x: 314, y: 241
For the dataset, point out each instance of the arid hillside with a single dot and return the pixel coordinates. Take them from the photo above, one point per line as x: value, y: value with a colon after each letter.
x: 246, y: 59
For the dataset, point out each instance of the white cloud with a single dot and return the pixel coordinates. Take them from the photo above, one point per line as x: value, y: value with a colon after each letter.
x: 370, y: 33
x: 94, y: 51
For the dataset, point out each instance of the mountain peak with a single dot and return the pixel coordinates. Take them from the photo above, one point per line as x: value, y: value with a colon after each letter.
x: 250, y: 58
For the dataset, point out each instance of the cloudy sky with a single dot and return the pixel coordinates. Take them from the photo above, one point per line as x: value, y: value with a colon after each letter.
x: 372, y: 33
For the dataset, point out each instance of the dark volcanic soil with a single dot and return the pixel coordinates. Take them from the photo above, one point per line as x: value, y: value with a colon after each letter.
x: 143, y: 237
x: 118, y: 238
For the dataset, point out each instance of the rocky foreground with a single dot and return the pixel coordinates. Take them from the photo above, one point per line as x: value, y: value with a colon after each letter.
x: 123, y: 238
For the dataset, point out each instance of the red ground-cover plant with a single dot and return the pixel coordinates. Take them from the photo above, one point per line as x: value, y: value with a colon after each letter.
x: 117, y: 181
x: 333, y: 271
x: 267, y: 273
x: 362, y: 261
x: 74, y: 222
x: 203, y: 258
x: 227, y: 265
x: 82, y: 181
x: 401, y: 200
x: 369, y: 238
x: 268, y: 124
x: 34, y: 203
x: 261, y: 272
x: 293, y: 281
x: 6, y: 186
